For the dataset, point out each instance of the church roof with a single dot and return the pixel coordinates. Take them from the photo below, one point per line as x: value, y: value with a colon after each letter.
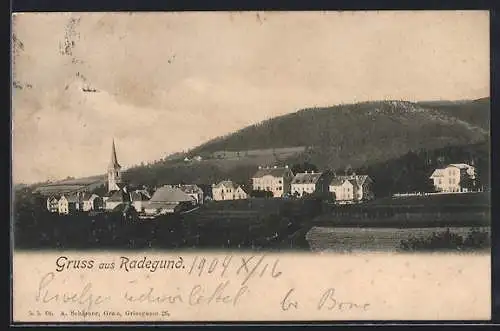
x: 114, y: 161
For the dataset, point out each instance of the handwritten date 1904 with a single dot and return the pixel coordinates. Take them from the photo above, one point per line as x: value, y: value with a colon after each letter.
x: 248, y: 267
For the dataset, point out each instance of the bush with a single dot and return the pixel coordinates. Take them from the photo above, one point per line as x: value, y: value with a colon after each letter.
x: 447, y: 240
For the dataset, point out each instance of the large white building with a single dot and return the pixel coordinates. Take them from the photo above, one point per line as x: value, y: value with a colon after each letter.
x: 452, y: 178
x: 304, y: 183
x: 276, y: 180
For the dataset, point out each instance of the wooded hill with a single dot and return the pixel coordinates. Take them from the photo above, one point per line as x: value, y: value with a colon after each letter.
x: 397, y: 142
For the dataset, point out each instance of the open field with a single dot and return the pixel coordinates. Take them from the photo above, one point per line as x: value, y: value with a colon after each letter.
x: 376, y: 239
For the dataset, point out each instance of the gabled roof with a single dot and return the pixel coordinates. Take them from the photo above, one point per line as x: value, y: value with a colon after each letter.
x: 118, y: 196
x: 275, y: 172
x: 306, y: 178
x: 336, y: 182
x: 226, y: 184
x: 438, y: 173
x: 240, y: 188
x: 340, y: 182
x: 138, y: 196
x: 170, y: 194
x: 360, y: 179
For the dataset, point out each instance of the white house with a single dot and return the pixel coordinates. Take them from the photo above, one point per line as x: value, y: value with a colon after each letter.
x: 90, y: 201
x: 352, y: 188
x: 227, y: 190
x: 344, y: 189
x: 68, y: 204
x: 139, y: 199
x: 305, y: 183
x: 53, y: 204
x: 273, y: 179
x: 452, y: 177
x: 116, y: 198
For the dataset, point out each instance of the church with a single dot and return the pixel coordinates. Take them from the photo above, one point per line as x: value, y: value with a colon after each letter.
x: 117, y: 190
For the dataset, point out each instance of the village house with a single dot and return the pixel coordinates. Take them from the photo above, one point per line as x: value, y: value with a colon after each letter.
x: 304, y: 183
x: 167, y: 200
x: 68, y: 204
x: 53, y: 204
x: 276, y: 180
x: 351, y: 188
x: 116, y: 198
x: 139, y: 199
x: 192, y: 190
x: 454, y: 178
x: 90, y: 201
x: 227, y: 190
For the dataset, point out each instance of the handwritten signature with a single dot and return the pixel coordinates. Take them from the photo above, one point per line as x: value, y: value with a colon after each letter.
x: 51, y: 292
x: 83, y: 296
x: 327, y: 301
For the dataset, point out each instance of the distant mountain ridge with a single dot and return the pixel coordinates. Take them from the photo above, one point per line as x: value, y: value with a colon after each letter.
x: 365, y: 132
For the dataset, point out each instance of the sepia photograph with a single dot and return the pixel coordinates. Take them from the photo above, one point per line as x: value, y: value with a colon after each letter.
x: 306, y: 133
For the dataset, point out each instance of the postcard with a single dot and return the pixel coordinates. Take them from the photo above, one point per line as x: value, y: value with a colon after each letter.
x: 250, y: 166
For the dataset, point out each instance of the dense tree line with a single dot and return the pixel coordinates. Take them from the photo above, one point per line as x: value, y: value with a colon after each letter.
x: 411, y: 172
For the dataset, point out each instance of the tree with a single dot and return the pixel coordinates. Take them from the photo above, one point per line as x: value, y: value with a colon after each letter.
x: 467, y: 183
x: 303, y: 167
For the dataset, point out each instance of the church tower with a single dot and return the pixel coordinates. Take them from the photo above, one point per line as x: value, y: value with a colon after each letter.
x: 114, y: 171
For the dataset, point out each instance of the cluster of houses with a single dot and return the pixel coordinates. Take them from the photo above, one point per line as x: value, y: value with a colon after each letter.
x: 278, y: 182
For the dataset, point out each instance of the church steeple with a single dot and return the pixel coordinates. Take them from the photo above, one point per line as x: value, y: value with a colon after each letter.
x: 114, y: 171
x: 114, y: 161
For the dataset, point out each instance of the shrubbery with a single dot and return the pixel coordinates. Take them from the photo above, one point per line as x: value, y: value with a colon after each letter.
x: 447, y: 240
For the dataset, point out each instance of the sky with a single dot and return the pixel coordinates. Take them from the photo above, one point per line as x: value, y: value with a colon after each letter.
x: 167, y: 82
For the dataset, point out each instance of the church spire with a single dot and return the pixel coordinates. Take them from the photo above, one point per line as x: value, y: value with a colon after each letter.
x: 114, y: 161
x: 114, y: 171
